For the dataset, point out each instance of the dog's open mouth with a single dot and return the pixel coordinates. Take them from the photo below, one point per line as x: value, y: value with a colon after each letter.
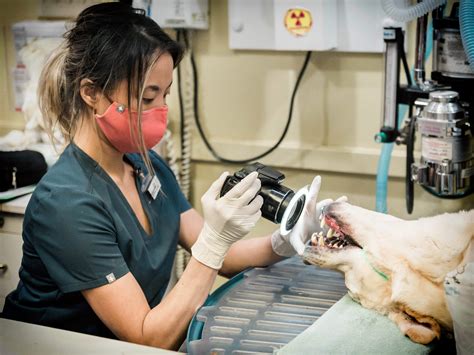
x: 332, y: 235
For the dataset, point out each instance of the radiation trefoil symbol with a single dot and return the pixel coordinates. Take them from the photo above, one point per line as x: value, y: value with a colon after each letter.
x: 298, y: 21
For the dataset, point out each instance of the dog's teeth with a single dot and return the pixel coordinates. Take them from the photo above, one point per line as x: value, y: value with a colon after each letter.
x: 313, y: 239
x: 330, y: 233
x: 321, y: 240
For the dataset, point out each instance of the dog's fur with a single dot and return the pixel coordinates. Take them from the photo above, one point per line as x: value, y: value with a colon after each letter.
x: 415, y: 255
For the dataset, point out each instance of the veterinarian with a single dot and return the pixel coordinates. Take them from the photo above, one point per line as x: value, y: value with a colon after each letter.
x: 102, y: 227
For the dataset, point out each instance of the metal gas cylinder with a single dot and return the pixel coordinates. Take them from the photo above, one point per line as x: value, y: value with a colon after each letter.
x: 446, y: 167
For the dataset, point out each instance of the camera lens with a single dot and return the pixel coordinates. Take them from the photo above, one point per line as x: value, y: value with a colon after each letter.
x: 293, y: 207
x: 295, y: 212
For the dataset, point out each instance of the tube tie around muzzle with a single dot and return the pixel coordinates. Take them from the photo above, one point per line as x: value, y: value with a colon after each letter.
x: 380, y: 273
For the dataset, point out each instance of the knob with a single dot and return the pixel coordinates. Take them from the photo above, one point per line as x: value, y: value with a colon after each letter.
x: 381, y: 137
x: 444, y: 96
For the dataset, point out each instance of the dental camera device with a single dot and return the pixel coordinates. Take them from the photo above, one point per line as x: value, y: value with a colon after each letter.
x: 281, y: 204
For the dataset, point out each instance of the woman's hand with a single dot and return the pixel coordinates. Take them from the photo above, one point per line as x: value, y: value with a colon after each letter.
x: 308, y: 223
x: 227, y: 219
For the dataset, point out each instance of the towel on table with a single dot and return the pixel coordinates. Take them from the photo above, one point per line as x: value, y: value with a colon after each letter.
x: 349, y: 328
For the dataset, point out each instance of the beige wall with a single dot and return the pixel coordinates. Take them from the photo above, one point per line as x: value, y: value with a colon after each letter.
x: 244, y: 97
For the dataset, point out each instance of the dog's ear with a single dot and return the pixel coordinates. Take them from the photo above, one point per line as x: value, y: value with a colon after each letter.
x: 420, y: 329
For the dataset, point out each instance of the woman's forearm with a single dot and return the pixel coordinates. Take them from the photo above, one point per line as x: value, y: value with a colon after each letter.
x: 249, y: 253
x: 165, y: 325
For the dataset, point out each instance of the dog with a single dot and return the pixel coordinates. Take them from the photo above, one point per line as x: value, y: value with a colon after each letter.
x: 396, y: 267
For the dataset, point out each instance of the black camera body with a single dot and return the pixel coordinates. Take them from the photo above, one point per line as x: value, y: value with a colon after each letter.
x: 276, y: 197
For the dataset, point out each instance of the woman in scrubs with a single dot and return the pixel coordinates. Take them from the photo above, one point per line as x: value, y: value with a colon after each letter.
x: 102, y: 227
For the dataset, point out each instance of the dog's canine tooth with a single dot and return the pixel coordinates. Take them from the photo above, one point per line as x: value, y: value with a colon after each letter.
x: 324, y: 241
x: 321, y: 240
x: 313, y: 239
x: 330, y: 233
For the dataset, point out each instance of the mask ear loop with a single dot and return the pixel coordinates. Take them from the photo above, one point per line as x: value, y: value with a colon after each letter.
x: 120, y: 107
x: 107, y: 97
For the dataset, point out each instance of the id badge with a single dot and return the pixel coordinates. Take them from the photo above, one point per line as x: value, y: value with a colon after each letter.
x: 151, y: 185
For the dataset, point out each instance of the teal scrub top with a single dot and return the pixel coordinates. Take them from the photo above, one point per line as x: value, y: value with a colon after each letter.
x: 80, y: 232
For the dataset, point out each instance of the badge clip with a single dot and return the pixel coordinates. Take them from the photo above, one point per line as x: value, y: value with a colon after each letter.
x: 151, y: 185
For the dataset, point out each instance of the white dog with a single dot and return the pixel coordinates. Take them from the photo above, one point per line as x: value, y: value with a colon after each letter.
x: 394, y: 266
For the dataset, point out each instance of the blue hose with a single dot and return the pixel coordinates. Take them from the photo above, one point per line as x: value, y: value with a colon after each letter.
x: 466, y: 23
x: 387, y: 148
x: 382, y: 177
x: 383, y: 168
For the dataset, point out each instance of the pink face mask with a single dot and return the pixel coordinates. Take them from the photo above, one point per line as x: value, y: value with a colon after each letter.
x: 115, y: 124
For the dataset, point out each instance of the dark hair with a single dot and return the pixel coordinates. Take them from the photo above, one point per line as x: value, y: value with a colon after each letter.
x: 109, y: 43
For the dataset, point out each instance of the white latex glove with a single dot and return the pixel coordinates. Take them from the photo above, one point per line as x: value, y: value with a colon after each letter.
x: 227, y: 219
x: 308, y: 223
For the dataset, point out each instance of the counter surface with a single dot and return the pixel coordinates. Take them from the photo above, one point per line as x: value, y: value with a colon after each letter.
x: 17, y: 206
x: 24, y: 338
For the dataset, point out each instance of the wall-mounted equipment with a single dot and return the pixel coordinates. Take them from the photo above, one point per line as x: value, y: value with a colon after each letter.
x: 447, y: 163
x: 62, y: 9
x: 307, y: 25
x: 440, y: 109
x: 189, y: 14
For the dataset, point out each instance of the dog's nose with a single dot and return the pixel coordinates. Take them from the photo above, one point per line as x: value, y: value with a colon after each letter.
x: 323, y: 209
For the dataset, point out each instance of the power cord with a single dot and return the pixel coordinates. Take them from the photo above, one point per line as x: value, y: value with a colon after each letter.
x: 180, y: 97
x: 196, y: 111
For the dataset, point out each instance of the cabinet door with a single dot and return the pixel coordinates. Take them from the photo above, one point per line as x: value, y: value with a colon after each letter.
x: 10, y: 260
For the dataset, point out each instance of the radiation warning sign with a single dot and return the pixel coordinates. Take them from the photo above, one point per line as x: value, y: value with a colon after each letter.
x: 298, y: 21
